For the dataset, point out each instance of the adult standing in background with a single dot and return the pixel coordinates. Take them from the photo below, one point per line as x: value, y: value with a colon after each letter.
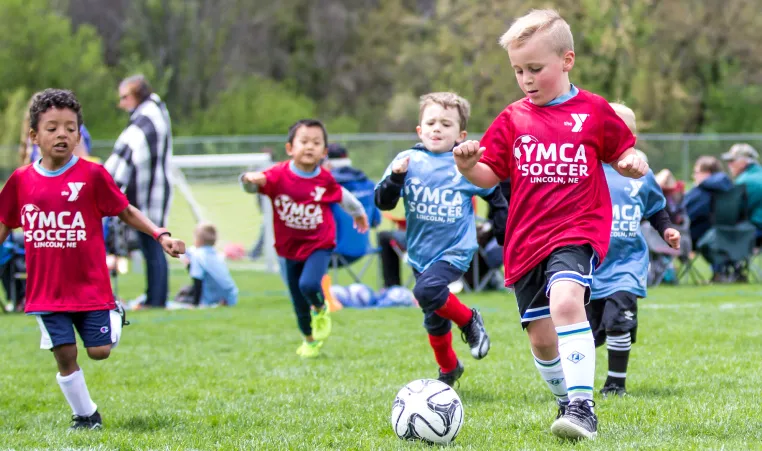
x: 140, y: 165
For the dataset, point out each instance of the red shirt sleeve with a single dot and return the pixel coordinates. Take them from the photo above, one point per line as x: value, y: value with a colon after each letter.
x: 10, y: 210
x: 497, y: 142
x: 617, y: 137
x: 332, y: 190
x: 272, y: 176
x: 109, y: 199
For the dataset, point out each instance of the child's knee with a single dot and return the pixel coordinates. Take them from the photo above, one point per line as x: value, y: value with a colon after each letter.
x: 99, y: 352
x: 430, y: 297
x: 310, y: 287
x: 436, y: 325
x: 567, y: 300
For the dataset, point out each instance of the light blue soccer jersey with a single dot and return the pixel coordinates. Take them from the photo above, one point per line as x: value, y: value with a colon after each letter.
x: 438, y: 209
x: 625, y: 267
x: 207, y: 265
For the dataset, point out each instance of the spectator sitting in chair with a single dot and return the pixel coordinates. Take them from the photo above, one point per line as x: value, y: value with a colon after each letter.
x: 709, y: 179
x: 351, y: 245
x: 743, y: 163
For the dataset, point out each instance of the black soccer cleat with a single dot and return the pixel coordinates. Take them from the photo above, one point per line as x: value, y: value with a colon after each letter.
x: 476, y: 336
x: 613, y: 390
x: 450, y: 377
x: 122, y: 313
x: 562, y: 405
x: 577, y: 422
x: 91, y: 422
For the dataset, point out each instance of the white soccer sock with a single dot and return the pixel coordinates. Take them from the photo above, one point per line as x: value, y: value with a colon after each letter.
x: 553, y: 374
x: 75, y: 390
x: 576, y: 347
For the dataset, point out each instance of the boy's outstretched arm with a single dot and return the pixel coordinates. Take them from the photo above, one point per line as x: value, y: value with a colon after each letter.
x: 252, y: 181
x: 388, y: 192
x: 467, y: 155
x: 137, y: 220
x: 629, y: 164
x: 354, y: 208
x: 498, y: 208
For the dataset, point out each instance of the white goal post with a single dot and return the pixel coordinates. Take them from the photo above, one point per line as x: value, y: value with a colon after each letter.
x: 225, y: 167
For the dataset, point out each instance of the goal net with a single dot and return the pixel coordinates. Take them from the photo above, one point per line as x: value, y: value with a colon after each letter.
x: 207, y: 189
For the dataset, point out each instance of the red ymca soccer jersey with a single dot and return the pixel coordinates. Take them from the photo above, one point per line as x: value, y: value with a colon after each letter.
x: 61, y: 216
x: 302, y: 217
x: 553, y: 156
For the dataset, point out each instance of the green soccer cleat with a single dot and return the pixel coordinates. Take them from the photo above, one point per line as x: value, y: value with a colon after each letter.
x: 309, y: 349
x: 321, y: 324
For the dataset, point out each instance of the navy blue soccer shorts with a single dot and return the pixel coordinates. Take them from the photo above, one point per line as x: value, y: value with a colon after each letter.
x: 95, y: 328
x: 570, y: 263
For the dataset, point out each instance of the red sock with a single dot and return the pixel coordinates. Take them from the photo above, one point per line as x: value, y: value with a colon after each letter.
x: 455, y: 311
x: 443, y: 352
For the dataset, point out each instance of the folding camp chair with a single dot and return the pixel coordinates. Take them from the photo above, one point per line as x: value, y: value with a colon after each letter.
x: 341, y: 262
x: 729, y: 243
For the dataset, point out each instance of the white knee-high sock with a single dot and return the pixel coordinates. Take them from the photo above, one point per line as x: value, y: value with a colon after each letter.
x: 576, y: 347
x: 552, y: 373
x: 75, y: 390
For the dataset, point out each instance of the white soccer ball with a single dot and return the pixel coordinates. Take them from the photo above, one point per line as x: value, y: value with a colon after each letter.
x: 396, y: 296
x: 427, y: 410
x: 361, y: 295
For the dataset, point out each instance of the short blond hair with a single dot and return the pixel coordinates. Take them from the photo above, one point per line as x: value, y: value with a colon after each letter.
x: 626, y: 114
x: 539, y: 21
x: 206, y: 233
x: 447, y: 100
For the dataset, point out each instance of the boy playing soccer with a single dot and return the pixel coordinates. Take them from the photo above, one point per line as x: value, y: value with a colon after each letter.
x: 552, y: 144
x: 441, y: 228
x: 59, y: 201
x: 621, y: 278
x: 302, y: 192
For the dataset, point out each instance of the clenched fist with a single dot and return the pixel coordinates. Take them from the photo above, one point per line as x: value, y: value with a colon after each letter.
x: 400, y: 166
x: 672, y: 237
x: 467, y: 154
x: 633, y: 166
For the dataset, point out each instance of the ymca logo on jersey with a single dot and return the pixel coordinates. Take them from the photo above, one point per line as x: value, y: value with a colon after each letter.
x: 626, y: 217
x: 550, y: 162
x: 299, y: 216
x: 49, y: 229
x: 634, y: 189
x: 433, y: 204
x: 317, y: 194
x: 579, y: 119
x: 74, y: 189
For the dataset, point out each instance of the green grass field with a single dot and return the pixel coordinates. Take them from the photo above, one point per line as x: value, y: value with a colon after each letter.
x: 230, y: 378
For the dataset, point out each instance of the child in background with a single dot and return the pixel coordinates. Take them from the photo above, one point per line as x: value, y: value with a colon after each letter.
x: 622, y: 277
x: 301, y: 192
x: 212, y: 283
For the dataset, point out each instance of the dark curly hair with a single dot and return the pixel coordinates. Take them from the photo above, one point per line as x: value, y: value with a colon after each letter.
x: 53, y: 98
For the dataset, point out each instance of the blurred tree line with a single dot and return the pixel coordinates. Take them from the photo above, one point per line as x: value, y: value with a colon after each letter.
x: 255, y: 66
